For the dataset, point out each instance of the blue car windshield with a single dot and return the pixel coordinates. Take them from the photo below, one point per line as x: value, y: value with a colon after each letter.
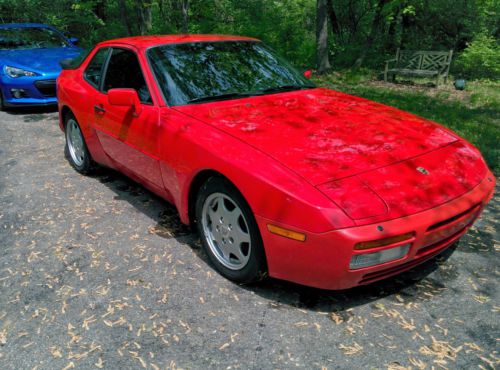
x: 31, y: 38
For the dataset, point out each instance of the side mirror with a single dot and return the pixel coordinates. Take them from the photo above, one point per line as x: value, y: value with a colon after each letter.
x: 308, y: 74
x: 125, y: 98
x: 73, y: 40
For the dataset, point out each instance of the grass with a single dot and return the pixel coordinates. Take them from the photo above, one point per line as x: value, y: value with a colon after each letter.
x: 474, y: 113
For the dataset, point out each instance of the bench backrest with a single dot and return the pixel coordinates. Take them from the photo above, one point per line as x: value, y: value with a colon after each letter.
x: 424, y: 60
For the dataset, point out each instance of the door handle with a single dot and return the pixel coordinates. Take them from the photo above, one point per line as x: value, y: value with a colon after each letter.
x: 99, y: 110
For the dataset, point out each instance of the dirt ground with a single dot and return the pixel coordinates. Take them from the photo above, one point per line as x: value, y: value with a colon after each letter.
x: 96, y: 272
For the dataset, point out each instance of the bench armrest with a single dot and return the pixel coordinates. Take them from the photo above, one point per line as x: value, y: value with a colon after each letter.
x: 386, y: 69
x: 387, y: 62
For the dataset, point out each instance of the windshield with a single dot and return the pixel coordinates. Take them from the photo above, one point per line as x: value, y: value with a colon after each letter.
x: 208, y: 71
x: 31, y: 38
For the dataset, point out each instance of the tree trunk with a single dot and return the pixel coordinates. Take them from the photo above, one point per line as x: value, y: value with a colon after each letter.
x: 323, y: 60
x: 375, y: 28
x: 334, y: 22
x: 123, y: 15
x: 406, y: 23
x: 390, y: 43
x: 99, y: 9
x: 185, y: 15
x: 145, y: 16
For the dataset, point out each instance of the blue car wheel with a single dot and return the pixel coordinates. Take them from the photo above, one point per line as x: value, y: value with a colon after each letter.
x: 1, y: 101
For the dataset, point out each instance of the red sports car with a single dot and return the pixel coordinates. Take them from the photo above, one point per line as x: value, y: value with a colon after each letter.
x: 280, y: 177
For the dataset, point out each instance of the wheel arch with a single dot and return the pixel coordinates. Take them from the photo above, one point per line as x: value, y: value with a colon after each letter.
x: 197, y: 184
x: 91, y: 141
x: 65, y: 110
x: 194, y: 187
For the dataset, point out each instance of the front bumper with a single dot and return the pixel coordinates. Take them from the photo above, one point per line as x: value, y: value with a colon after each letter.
x: 322, y: 261
x: 39, y: 90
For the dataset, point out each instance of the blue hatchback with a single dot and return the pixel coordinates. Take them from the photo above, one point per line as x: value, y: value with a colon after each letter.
x: 29, y: 63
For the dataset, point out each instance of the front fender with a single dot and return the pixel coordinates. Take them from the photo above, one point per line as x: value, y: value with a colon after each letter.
x: 272, y: 191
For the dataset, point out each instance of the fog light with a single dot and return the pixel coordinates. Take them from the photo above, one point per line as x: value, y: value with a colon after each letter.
x: 371, y: 259
x: 18, y: 93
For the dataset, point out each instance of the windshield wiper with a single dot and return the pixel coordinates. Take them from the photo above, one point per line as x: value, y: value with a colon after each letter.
x: 226, y: 96
x: 286, y: 88
x: 233, y: 95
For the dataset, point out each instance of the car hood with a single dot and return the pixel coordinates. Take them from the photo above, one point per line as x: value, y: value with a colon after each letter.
x: 38, y: 60
x: 324, y: 135
x: 411, y: 186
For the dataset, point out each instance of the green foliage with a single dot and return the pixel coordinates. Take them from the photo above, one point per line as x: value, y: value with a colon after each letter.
x: 286, y: 25
x: 289, y: 25
x: 480, y: 59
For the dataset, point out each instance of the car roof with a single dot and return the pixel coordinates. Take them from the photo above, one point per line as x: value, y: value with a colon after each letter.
x: 154, y: 40
x: 24, y: 25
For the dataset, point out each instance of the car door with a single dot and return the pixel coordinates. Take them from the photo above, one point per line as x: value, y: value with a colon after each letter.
x: 130, y: 139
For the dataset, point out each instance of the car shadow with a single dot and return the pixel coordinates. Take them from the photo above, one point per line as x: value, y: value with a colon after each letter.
x: 168, y: 224
x: 37, y: 110
x: 411, y: 286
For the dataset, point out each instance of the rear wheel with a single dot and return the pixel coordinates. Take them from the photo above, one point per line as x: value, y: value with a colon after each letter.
x: 229, y: 232
x: 76, y: 150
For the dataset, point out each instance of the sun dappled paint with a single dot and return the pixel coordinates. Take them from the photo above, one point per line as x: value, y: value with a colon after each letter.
x: 324, y: 135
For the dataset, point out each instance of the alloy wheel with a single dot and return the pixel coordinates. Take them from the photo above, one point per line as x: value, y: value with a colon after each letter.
x: 226, y: 231
x: 75, y: 141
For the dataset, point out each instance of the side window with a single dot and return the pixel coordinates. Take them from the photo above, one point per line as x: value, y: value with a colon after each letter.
x: 124, y: 71
x: 93, y: 71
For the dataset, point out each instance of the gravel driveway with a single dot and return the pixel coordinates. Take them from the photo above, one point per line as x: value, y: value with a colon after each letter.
x: 96, y: 272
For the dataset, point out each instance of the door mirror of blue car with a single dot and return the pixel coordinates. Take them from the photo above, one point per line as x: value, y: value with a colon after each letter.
x: 73, y: 40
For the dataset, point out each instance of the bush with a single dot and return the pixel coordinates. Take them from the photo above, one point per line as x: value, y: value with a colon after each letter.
x: 480, y: 59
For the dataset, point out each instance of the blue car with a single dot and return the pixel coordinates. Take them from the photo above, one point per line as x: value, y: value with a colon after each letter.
x: 29, y: 63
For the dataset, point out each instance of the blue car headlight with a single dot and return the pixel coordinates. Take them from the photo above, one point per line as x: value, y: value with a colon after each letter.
x: 17, y: 72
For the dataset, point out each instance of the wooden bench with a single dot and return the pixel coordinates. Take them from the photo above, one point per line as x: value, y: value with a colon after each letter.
x: 431, y: 64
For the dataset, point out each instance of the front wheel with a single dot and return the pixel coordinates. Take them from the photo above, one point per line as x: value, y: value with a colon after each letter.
x: 76, y: 150
x: 2, y: 105
x: 229, y: 232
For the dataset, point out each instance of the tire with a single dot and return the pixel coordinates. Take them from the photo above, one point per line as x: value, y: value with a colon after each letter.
x: 2, y: 106
x: 76, y: 150
x: 229, y: 233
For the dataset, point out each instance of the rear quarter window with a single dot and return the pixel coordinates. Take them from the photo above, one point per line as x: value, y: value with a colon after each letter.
x: 93, y: 72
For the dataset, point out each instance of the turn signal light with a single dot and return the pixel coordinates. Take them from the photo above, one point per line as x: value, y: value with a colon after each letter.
x: 290, y: 234
x: 384, y: 242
